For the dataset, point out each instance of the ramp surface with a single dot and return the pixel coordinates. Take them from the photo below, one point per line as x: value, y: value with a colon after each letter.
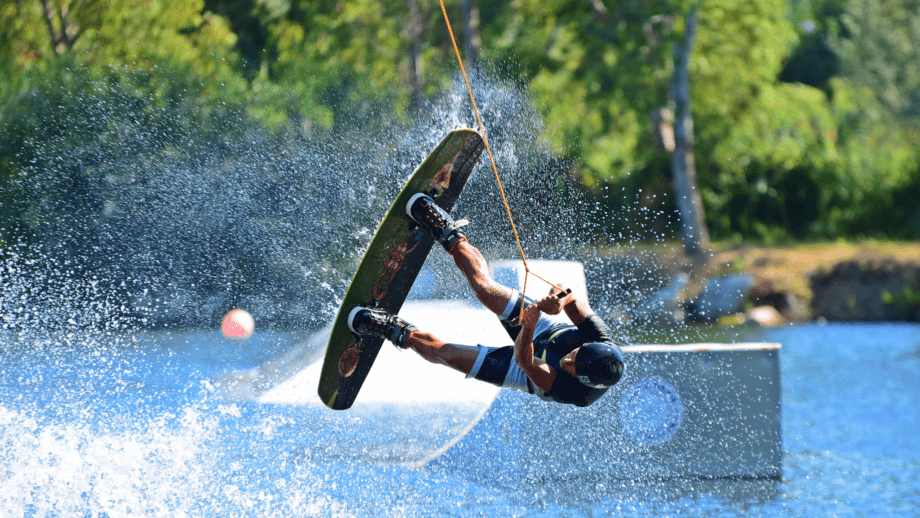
x: 407, y: 409
x: 686, y: 411
x: 689, y: 411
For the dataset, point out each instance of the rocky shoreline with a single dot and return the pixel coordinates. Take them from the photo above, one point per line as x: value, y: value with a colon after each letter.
x: 760, y: 285
x: 871, y: 285
x: 867, y: 291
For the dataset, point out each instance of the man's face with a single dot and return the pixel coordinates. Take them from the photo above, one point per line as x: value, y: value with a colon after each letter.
x: 568, y: 362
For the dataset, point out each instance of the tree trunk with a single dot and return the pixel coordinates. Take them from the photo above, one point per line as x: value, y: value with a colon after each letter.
x: 469, y: 15
x: 414, y: 33
x: 690, y: 205
x: 64, y: 37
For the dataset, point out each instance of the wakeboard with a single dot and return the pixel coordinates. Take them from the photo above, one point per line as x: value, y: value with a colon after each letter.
x: 391, y: 264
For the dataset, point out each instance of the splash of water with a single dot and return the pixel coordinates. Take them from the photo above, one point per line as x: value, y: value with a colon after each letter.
x: 170, y: 228
x: 138, y: 226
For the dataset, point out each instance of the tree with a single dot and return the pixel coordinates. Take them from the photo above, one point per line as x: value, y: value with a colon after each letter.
x: 469, y: 16
x: 880, y: 46
x: 99, y: 34
x: 683, y: 165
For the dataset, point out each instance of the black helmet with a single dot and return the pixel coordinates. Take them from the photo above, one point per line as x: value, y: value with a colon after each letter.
x: 599, y: 365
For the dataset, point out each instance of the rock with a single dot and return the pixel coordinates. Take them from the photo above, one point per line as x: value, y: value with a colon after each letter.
x: 663, y: 304
x: 723, y: 295
x: 764, y: 316
x: 791, y: 306
x: 855, y: 291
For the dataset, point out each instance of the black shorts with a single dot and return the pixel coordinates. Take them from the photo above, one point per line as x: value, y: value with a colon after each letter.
x: 496, y: 365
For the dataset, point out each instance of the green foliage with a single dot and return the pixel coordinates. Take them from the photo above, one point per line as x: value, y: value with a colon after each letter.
x: 880, y: 45
x: 594, y: 79
x: 906, y: 304
x: 805, y: 113
x: 137, y: 35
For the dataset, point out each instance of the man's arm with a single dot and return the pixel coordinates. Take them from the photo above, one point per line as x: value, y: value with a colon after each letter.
x: 576, y: 309
x: 589, y: 324
x: 541, y: 374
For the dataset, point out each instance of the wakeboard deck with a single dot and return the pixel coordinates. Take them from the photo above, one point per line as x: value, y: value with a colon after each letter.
x: 391, y: 264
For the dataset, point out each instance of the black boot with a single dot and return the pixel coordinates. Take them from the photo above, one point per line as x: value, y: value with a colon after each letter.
x: 434, y: 220
x: 378, y: 323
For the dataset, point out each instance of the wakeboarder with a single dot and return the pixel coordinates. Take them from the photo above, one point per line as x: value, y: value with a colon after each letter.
x: 570, y: 360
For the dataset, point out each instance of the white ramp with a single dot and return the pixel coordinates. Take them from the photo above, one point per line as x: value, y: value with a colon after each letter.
x: 403, y: 377
x: 687, y: 411
x: 407, y: 407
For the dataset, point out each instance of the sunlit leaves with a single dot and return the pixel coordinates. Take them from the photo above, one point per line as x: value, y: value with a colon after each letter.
x: 116, y: 33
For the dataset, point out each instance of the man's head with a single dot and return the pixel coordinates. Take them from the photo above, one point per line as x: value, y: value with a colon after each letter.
x: 594, y: 364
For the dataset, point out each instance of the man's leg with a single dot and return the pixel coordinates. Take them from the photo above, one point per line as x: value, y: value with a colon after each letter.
x: 429, y: 347
x: 494, y: 365
x: 492, y: 295
x: 377, y: 322
x: 505, y: 302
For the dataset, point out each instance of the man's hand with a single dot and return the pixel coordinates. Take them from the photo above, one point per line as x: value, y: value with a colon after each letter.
x: 530, y: 315
x: 553, y: 303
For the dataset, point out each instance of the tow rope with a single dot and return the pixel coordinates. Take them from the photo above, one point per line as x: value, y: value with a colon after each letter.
x: 498, y: 179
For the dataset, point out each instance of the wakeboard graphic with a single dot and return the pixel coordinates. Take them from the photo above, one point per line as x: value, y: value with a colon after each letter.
x: 391, y: 264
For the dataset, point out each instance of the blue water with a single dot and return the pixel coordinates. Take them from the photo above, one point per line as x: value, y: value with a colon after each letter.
x: 130, y: 424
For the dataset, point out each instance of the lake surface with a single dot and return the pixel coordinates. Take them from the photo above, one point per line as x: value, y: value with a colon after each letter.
x: 131, y: 424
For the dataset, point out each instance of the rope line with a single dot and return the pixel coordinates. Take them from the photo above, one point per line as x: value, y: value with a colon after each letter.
x: 485, y: 140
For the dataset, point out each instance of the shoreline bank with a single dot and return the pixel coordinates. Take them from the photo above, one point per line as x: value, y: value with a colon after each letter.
x: 868, y: 281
